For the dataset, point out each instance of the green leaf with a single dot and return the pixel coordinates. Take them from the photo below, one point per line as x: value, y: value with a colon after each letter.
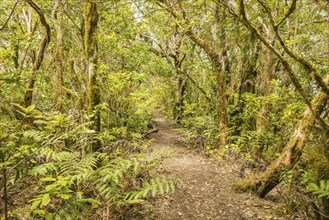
x: 48, y: 216
x: 48, y: 179
x: 39, y: 211
x: 20, y: 107
x: 45, y: 199
x: 35, y: 204
x: 79, y: 194
x: 50, y: 187
x: 30, y: 108
x: 62, y: 182
x: 64, y: 196
x: 22, y: 113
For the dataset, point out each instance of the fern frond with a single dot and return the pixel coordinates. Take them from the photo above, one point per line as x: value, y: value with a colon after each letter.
x: 157, y: 185
x: 43, y: 169
x: 47, y: 152
x: 77, y: 168
x: 36, y: 135
x: 321, y: 190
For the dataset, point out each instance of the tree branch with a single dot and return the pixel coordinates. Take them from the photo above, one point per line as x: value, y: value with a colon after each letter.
x: 11, y: 13
x: 323, y: 4
x: 41, y: 52
x: 46, y: 39
x: 284, y: 62
x: 307, y: 65
x: 179, y: 70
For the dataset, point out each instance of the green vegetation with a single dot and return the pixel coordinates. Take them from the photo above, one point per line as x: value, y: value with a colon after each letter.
x: 79, y: 81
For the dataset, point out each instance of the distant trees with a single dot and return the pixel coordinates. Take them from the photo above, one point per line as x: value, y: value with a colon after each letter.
x: 281, y: 50
x: 245, y: 77
x: 215, y: 51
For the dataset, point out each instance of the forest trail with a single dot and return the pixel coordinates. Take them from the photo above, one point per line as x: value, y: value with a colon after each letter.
x: 204, y: 187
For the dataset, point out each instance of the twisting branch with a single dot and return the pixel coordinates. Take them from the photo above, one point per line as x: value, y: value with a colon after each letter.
x: 46, y: 39
x: 307, y: 65
x: 11, y: 14
x: 284, y: 62
x: 179, y: 70
x: 40, y: 55
x: 207, y: 46
x: 289, y: 12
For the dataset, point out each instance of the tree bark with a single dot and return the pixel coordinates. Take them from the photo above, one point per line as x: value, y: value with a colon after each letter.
x: 90, y: 14
x: 40, y: 55
x: 293, y: 149
x: 222, y: 103
x: 179, y: 99
x: 265, y: 89
x: 59, y: 54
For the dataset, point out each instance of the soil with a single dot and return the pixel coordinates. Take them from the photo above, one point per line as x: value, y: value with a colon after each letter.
x: 203, y: 184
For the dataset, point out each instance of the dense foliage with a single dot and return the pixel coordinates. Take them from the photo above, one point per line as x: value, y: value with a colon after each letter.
x: 79, y: 81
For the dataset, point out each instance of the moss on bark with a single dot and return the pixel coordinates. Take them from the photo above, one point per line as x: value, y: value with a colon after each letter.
x: 90, y: 14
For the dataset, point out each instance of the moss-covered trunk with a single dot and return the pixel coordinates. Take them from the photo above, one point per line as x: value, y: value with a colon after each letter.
x: 90, y: 14
x: 267, y: 74
x: 221, y: 62
x: 221, y: 103
x: 59, y: 54
x: 179, y: 99
x: 293, y: 149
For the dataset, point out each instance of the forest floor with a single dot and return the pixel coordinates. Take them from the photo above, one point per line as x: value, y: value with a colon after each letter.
x: 203, y: 184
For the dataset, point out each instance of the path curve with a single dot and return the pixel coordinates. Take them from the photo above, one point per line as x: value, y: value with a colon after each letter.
x: 203, y: 191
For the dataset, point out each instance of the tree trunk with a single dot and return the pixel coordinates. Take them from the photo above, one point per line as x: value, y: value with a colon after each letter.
x: 293, y: 149
x: 222, y: 77
x: 222, y: 105
x: 59, y: 54
x: 40, y: 55
x: 215, y: 57
x: 90, y: 13
x: 179, y: 99
x: 265, y: 89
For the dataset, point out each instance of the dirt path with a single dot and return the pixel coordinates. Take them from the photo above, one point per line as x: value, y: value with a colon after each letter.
x: 204, y: 191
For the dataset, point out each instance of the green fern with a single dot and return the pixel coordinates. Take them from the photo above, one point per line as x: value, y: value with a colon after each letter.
x: 37, y: 136
x: 62, y: 169
x: 108, y: 178
x: 48, y: 153
x: 43, y: 169
x: 79, y: 168
x: 158, y: 185
x: 321, y: 190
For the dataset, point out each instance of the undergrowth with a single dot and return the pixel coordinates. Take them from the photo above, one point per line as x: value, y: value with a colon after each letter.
x: 52, y: 174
